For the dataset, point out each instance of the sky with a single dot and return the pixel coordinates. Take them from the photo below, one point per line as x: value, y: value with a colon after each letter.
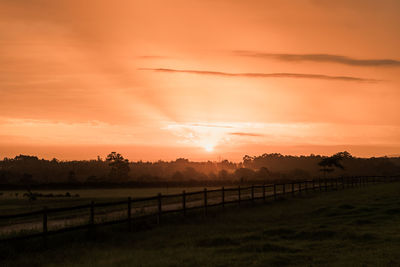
x: 204, y: 80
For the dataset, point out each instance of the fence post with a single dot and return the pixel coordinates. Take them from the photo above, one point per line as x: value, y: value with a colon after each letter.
x: 306, y: 186
x: 205, y: 201
x: 223, y: 197
x: 299, y: 187
x: 91, y: 220
x: 326, y: 185
x: 184, y: 202
x: 292, y: 188
x: 239, y: 194
x: 252, y: 194
x: 342, y: 182
x: 129, y: 214
x: 274, y: 191
x: 45, y: 226
x: 264, y: 192
x: 313, y: 184
x: 283, y: 189
x: 159, y: 202
x: 319, y: 184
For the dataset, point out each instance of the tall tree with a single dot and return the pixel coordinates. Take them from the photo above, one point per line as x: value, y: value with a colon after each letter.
x: 329, y: 164
x: 119, y: 166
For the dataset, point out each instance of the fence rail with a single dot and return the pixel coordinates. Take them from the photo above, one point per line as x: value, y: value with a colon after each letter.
x: 141, y: 208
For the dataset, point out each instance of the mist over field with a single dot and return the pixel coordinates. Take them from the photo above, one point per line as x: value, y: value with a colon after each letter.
x: 30, y: 170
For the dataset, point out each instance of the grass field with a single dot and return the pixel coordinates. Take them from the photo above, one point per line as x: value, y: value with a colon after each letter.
x: 12, y: 202
x: 353, y: 227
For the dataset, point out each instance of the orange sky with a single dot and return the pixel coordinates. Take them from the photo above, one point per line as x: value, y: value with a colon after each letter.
x: 205, y: 79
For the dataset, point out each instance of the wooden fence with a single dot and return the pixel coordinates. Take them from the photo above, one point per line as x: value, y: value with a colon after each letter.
x: 159, y: 205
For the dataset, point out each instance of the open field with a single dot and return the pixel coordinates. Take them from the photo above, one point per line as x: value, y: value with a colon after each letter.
x: 353, y: 227
x: 13, y: 201
x: 60, y: 215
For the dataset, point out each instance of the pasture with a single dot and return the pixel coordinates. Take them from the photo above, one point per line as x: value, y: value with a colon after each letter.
x: 352, y: 227
x: 13, y: 201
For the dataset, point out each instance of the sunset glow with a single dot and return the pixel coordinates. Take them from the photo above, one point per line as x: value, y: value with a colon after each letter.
x: 209, y: 147
x: 199, y: 79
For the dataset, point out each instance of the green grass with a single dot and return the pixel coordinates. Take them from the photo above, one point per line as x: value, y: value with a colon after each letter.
x: 354, y: 227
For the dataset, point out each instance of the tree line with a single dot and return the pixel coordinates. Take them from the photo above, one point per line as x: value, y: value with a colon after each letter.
x: 29, y: 170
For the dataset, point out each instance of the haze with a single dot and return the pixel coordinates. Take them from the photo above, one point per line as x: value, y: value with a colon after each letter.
x: 203, y: 80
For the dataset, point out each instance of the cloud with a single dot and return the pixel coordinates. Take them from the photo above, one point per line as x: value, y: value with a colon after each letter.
x: 211, y: 125
x: 246, y: 134
x: 265, y: 75
x: 327, y: 58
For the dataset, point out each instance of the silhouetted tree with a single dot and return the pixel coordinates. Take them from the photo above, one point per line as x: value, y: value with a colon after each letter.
x: 244, y: 174
x: 223, y: 175
x: 119, y: 166
x: 263, y: 174
x: 328, y: 164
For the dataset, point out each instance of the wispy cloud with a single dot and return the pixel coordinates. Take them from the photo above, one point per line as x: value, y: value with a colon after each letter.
x: 265, y: 75
x: 327, y: 58
x: 247, y: 134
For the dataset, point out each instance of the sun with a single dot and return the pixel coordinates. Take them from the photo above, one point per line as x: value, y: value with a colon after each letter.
x: 209, y: 147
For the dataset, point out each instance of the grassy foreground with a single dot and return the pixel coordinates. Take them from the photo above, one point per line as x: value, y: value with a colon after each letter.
x: 354, y: 227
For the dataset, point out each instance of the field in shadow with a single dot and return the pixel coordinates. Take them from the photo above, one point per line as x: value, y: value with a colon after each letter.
x: 354, y: 227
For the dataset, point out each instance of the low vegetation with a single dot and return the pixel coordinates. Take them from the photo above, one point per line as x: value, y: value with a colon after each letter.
x: 353, y: 227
